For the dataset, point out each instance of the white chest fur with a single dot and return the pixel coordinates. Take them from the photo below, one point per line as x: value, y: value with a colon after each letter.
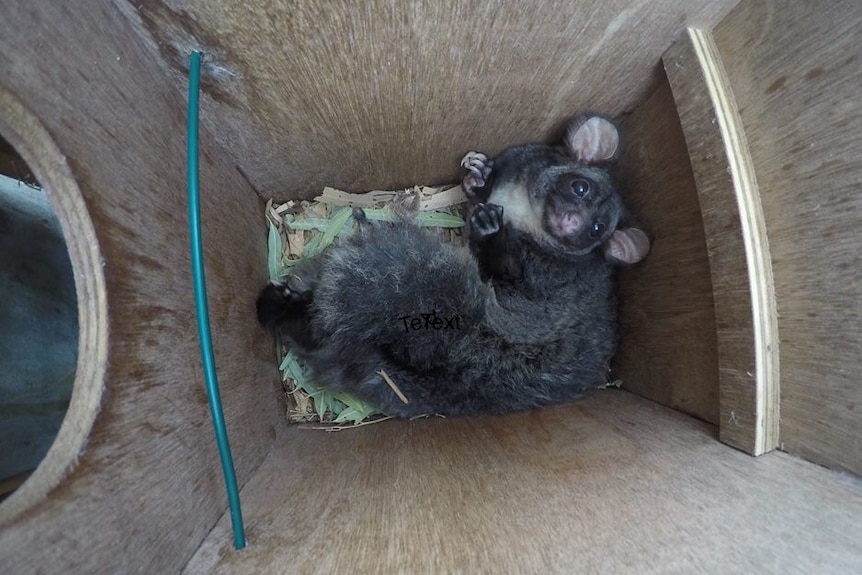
x: 517, y: 210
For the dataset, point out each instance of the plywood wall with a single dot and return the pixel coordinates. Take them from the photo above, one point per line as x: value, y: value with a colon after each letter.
x: 379, y: 94
x: 795, y: 69
x: 147, y: 487
x: 736, y: 240
x: 669, y: 348
x: 303, y: 94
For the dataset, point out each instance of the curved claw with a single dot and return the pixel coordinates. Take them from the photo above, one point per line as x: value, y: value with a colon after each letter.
x: 478, y: 168
x: 473, y: 159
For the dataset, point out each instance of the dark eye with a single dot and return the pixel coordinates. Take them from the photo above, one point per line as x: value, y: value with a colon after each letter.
x: 580, y: 188
x: 597, y: 229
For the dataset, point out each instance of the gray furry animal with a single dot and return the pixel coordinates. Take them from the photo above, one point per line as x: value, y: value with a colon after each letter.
x: 527, y: 319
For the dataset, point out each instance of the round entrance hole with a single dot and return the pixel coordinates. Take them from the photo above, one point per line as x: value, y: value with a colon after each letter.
x: 53, y: 314
x: 39, y: 319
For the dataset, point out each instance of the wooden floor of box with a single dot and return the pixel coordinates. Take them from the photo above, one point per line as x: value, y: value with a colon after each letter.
x: 612, y: 484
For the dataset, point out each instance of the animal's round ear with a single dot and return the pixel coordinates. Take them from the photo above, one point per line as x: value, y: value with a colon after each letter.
x: 592, y: 139
x: 627, y: 246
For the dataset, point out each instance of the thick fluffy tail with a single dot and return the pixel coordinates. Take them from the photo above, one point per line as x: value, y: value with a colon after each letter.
x: 391, y: 281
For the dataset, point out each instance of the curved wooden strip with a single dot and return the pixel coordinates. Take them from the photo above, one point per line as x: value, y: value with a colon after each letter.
x: 740, y: 262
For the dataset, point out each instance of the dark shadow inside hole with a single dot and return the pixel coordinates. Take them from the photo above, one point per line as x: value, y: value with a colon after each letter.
x: 38, y: 322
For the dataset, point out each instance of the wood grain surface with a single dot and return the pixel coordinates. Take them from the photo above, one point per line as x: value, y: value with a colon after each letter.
x: 147, y: 486
x: 613, y: 484
x: 380, y: 94
x: 796, y: 74
x: 737, y: 243
x: 667, y: 313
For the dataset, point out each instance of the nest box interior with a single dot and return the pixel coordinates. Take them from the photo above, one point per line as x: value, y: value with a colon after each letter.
x: 742, y: 130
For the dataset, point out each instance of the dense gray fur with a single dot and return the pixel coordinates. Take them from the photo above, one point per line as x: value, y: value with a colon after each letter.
x: 529, y: 319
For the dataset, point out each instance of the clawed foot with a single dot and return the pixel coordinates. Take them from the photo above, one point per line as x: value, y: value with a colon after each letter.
x: 478, y: 168
x: 485, y: 221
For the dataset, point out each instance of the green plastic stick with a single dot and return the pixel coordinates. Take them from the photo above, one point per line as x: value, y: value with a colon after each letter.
x: 203, y: 310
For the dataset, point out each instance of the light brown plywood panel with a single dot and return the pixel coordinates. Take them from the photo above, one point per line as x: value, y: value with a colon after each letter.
x: 613, y: 484
x: 381, y: 94
x: 795, y: 71
x: 737, y: 244
x: 668, y: 349
x: 147, y: 486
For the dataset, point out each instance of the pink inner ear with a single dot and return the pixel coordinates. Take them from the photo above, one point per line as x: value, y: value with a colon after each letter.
x: 595, y: 140
x: 629, y: 246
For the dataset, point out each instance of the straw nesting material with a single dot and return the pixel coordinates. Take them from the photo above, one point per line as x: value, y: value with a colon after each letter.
x: 300, y: 230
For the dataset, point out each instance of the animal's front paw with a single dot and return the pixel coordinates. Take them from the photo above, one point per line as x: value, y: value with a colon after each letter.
x: 485, y: 221
x: 478, y: 168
